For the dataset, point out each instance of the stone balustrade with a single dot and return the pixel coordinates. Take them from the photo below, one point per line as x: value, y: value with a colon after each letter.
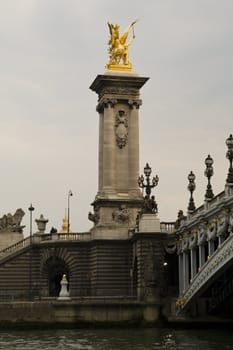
x: 42, y: 238
x: 168, y: 227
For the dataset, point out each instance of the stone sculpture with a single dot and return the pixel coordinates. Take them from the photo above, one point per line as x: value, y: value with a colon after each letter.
x: 64, y: 293
x: 121, y: 215
x: 12, y: 223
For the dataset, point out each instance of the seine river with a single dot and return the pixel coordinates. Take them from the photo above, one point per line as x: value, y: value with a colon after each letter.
x: 116, y: 339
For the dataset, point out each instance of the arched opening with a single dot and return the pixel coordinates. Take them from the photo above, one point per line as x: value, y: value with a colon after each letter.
x: 55, y: 268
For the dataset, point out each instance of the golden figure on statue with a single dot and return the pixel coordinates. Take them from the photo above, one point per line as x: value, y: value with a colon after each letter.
x: 118, y: 47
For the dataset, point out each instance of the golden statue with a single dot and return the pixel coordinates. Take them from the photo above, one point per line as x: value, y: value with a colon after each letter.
x: 118, y: 48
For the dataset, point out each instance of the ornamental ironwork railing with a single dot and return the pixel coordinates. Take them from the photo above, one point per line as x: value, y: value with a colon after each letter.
x: 214, y: 264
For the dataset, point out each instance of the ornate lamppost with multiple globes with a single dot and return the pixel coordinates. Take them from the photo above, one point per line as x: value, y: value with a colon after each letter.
x: 191, y: 188
x: 148, y: 185
x: 209, y: 171
x: 149, y: 205
x: 229, y: 155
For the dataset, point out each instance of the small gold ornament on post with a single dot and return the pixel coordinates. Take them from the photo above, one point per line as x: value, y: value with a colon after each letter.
x: 118, y: 48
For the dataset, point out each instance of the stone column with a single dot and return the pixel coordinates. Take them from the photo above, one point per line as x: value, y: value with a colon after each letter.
x: 185, y: 269
x: 193, y: 257
x: 201, y: 255
x: 181, y: 269
x: 101, y: 151
x: 118, y: 193
x: 108, y: 167
x: 220, y: 239
x: 118, y: 133
x: 210, y: 247
x: 133, y: 145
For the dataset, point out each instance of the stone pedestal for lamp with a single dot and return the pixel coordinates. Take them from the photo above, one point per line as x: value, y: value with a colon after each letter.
x: 149, y: 223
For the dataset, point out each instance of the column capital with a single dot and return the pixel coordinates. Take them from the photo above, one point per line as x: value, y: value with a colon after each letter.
x: 105, y: 103
x: 134, y: 103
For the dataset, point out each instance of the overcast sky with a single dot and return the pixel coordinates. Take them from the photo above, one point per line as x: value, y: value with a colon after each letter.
x: 52, y: 50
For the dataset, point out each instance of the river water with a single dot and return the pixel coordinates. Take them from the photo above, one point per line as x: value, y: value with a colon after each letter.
x: 116, y: 339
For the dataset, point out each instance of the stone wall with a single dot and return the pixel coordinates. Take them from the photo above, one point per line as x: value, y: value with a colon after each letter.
x: 94, y: 268
x: 8, y: 238
x: 77, y: 314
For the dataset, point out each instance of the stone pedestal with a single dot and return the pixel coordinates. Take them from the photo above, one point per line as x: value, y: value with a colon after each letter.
x: 8, y: 238
x: 118, y: 108
x: 149, y: 223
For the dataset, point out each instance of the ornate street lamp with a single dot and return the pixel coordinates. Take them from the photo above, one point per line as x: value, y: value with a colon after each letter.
x: 148, y: 185
x: 209, y: 171
x: 229, y: 155
x: 149, y: 205
x: 70, y: 194
x: 191, y: 188
x: 31, y: 209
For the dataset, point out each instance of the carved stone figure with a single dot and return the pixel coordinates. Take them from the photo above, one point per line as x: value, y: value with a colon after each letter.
x: 17, y: 217
x: 185, y: 243
x: 11, y: 222
x: 193, y: 240
x: 212, y: 230
x: 53, y: 230
x: 180, y: 218
x: 121, y: 215
x: 94, y: 217
x: 223, y: 222
x: 149, y: 205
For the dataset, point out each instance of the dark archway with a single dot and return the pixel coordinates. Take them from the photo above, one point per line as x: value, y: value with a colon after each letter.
x: 55, y: 268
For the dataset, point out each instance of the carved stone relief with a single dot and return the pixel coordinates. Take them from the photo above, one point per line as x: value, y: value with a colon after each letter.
x: 193, y: 239
x: 212, y: 229
x: 231, y: 222
x: 94, y: 217
x: 202, y: 235
x: 121, y: 128
x: 223, y: 222
x: 121, y: 215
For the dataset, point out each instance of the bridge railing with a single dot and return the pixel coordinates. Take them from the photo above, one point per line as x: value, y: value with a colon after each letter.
x: 14, y: 247
x: 207, y: 206
x: 42, y: 238
x: 216, y: 261
x: 167, y: 226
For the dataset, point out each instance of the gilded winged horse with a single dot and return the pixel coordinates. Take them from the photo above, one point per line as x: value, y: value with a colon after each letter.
x: 118, y: 47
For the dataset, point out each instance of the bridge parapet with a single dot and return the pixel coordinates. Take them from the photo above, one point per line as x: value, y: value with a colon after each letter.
x: 42, y: 238
x: 167, y: 226
x: 220, y: 201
